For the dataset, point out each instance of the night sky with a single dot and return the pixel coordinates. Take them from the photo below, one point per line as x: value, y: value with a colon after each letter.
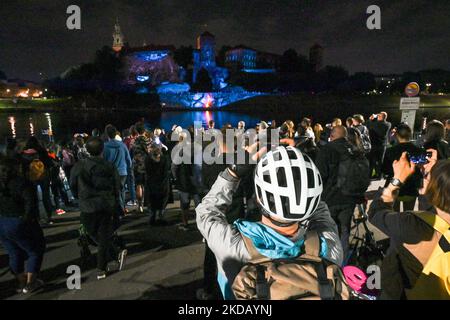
x: 415, y: 34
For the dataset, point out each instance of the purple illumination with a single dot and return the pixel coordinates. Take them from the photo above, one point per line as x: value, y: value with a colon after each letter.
x: 151, y: 55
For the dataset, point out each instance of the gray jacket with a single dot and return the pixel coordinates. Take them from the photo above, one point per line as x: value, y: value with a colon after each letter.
x: 226, y: 242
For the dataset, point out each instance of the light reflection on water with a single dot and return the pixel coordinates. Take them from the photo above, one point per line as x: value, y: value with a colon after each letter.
x: 61, y: 126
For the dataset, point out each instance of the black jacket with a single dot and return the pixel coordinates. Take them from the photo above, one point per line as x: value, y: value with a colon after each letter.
x: 413, y: 183
x: 400, y: 269
x: 157, y: 175
x: 327, y: 161
x: 96, y: 183
x: 19, y: 200
x: 378, y: 131
x: 185, y: 180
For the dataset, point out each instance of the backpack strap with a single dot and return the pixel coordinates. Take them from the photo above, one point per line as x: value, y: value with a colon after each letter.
x: 312, y: 250
x: 326, y: 288
x: 312, y: 244
x: 262, y: 284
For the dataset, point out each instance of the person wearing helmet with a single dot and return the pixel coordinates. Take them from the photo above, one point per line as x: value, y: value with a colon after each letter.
x: 288, y: 188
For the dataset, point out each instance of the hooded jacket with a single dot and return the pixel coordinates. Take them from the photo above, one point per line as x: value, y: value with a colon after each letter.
x: 117, y: 153
x: 95, y: 182
x: 226, y: 241
x: 327, y: 161
x: 19, y: 200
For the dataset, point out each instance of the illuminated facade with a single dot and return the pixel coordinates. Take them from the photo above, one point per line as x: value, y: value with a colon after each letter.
x: 154, y: 66
x: 242, y: 58
x: 204, y: 57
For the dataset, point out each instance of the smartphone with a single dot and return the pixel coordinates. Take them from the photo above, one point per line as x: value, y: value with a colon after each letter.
x: 421, y: 158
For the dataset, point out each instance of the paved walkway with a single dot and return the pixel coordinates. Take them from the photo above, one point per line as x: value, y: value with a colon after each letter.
x: 164, y: 262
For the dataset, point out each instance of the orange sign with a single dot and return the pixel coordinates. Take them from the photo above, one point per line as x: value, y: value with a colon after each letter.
x: 412, y: 89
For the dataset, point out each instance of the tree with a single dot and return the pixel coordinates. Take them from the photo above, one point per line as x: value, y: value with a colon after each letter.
x: 204, y: 83
x: 362, y: 82
x: 108, y: 65
x: 183, y: 56
x: 289, y: 61
x: 334, y: 76
x: 221, y: 56
x: 2, y: 75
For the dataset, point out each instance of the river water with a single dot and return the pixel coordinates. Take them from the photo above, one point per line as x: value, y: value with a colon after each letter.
x: 62, y: 125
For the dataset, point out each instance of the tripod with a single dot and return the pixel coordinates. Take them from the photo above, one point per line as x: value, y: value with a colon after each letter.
x: 364, y: 250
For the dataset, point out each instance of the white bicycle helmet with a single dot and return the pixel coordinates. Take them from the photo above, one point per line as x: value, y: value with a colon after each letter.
x: 288, y: 185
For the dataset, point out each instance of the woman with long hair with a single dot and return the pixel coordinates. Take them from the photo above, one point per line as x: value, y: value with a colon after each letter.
x: 20, y: 232
x: 434, y: 139
x: 415, y: 236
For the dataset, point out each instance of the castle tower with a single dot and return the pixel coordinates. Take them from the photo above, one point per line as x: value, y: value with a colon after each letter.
x: 316, y: 57
x: 118, y: 42
x: 206, y: 44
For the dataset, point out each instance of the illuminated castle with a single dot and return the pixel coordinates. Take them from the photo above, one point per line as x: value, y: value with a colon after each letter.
x: 154, y: 64
x: 204, y: 57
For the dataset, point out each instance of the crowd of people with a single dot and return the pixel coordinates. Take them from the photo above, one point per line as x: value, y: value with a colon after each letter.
x: 304, y: 185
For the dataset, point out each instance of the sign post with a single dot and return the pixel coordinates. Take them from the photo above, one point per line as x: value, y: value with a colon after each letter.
x: 410, y: 105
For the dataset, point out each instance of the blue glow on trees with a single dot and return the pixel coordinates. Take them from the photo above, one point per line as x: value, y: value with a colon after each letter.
x: 260, y: 71
x: 142, y: 78
x: 151, y: 55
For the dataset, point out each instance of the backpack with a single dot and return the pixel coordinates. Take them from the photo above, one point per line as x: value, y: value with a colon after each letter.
x: 434, y: 281
x: 353, y: 176
x: 36, y: 170
x: 140, y: 152
x: 307, y: 277
x: 365, y: 138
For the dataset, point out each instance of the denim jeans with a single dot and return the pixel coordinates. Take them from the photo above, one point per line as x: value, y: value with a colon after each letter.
x: 24, y: 242
x: 44, y: 184
x: 342, y: 215
x: 185, y: 200
x: 123, y: 180
x: 131, y: 185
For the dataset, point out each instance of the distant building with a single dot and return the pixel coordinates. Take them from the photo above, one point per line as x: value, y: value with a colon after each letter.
x: 204, y: 57
x: 154, y: 64
x: 240, y: 57
x: 316, y: 57
x: 19, y: 88
x: 118, y: 39
x: 205, y: 50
